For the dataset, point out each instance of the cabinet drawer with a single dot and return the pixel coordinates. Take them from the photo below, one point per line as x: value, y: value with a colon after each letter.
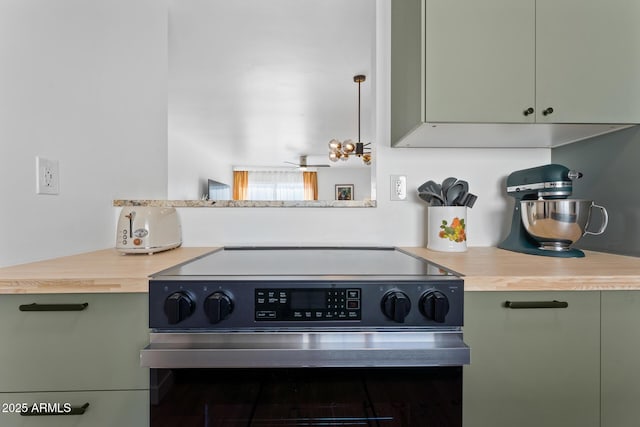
x: 534, y: 361
x: 106, y: 408
x: 96, y: 348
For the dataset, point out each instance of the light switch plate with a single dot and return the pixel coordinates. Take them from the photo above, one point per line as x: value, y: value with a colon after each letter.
x: 398, y: 187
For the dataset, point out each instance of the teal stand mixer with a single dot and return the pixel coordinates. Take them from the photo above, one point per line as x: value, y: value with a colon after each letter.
x: 546, y: 182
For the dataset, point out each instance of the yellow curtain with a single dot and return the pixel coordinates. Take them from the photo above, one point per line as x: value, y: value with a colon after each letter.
x: 240, y: 185
x: 310, y: 180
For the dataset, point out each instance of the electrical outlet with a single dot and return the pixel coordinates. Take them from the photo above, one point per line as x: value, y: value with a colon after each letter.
x: 398, y: 187
x: 47, y: 176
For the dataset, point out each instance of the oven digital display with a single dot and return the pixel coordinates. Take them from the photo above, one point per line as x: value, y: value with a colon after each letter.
x: 307, y: 304
x: 303, y: 300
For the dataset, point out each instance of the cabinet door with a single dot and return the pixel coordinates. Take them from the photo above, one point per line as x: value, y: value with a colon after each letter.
x: 620, y: 356
x: 97, y: 348
x: 533, y: 366
x: 588, y: 61
x: 105, y: 409
x: 480, y: 61
x: 407, y: 71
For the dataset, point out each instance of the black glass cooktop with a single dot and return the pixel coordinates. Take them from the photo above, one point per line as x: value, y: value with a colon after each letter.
x: 306, y: 261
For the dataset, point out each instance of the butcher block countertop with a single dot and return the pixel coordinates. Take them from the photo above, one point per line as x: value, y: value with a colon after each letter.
x: 105, y: 271
x: 484, y: 269
x: 492, y: 269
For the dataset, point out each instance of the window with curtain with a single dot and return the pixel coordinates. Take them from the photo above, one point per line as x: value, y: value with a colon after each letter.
x: 275, y: 185
x: 310, y: 180
x: 240, y: 184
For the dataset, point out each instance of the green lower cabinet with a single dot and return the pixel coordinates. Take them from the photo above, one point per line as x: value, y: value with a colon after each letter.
x: 79, y: 342
x: 56, y: 347
x: 620, y: 358
x: 532, y: 366
x: 104, y: 409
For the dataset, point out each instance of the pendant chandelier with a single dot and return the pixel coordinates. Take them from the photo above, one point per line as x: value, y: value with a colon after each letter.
x: 342, y: 150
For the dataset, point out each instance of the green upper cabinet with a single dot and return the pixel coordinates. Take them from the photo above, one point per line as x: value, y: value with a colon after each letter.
x: 588, y: 61
x: 480, y: 63
x: 566, y: 63
x: 407, y: 68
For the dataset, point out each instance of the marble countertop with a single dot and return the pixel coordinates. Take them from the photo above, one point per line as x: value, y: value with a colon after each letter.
x: 249, y: 203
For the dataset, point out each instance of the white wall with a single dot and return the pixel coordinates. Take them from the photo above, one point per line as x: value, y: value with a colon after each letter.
x: 329, y: 177
x: 84, y: 83
x: 390, y: 223
x: 257, y: 83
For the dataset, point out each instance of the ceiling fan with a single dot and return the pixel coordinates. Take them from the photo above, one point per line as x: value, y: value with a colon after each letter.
x: 303, y: 163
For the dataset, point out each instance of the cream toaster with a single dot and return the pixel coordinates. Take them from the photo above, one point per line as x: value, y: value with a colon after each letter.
x: 146, y: 229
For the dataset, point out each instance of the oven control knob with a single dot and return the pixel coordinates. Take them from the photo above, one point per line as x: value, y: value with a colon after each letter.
x: 178, y: 306
x: 396, y: 305
x: 434, y: 305
x: 217, y: 306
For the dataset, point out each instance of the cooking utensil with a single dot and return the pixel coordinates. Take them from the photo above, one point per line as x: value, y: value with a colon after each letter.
x: 437, y: 189
x: 459, y: 201
x: 432, y: 198
x: 429, y: 186
x: 469, y: 200
x: 427, y: 197
x: 455, y: 193
x: 452, y: 194
x: 448, y: 182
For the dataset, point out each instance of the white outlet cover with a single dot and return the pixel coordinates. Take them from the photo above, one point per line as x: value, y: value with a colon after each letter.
x: 47, y: 176
x: 398, y: 187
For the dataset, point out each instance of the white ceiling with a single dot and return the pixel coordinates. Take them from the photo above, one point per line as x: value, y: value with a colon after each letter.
x: 265, y: 81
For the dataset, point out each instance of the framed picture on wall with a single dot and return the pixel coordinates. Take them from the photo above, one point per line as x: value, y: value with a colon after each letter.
x: 344, y: 191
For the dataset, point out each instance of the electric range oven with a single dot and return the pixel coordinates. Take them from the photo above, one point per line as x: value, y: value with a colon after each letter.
x: 306, y: 336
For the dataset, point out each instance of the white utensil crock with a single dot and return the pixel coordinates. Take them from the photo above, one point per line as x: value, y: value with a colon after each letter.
x: 447, y: 228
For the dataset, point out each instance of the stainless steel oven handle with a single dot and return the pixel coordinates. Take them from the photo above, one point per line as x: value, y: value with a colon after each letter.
x: 305, y: 349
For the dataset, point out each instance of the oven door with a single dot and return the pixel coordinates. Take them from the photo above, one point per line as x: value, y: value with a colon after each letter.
x: 399, y: 378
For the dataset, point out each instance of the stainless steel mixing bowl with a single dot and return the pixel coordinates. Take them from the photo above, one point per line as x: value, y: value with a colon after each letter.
x: 558, y: 224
